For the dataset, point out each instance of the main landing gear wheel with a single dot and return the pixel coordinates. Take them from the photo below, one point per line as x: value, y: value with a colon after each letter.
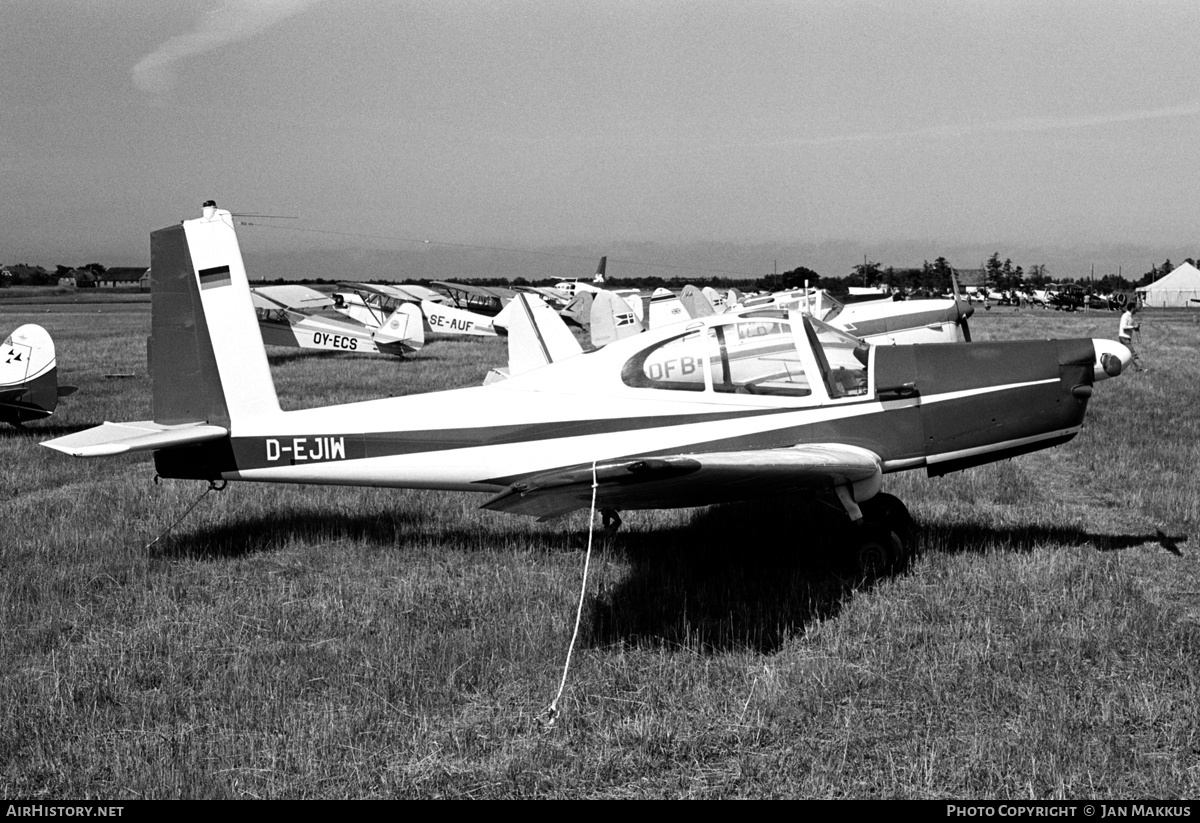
x: 876, y: 549
x: 890, y: 511
x: 882, y: 542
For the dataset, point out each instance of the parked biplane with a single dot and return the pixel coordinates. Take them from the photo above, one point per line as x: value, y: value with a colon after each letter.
x: 725, y: 408
x: 1064, y: 296
x: 486, y: 300
x: 372, y: 303
x: 29, y: 387
x: 282, y: 323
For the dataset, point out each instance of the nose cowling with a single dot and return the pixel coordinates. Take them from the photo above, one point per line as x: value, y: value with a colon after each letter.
x: 1112, y: 358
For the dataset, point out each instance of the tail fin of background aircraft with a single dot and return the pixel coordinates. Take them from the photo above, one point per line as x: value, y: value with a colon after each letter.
x: 612, y: 319
x: 579, y: 310
x: 662, y: 308
x: 29, y: 387
x: 715, y: 299
x: 537, y: 337
x: 600, y: 269
x: 695, y: 303
x: 405, y: 329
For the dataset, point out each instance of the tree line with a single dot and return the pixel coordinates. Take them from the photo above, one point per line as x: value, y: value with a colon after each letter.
x: 23, y: 274
x: 929, y: 278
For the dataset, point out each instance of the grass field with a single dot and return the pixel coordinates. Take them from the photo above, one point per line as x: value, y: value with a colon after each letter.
x: 328, y: 642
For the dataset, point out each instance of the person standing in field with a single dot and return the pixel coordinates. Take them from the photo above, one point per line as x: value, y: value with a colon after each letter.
x: 1125, y: 332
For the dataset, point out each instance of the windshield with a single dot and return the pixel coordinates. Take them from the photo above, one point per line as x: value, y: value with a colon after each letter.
x: 843, y: 358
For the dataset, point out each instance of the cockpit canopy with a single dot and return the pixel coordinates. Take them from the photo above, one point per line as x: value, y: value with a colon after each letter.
x: 769, y: 352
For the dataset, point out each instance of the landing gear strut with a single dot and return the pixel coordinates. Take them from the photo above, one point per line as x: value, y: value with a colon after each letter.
x: 610, y: 521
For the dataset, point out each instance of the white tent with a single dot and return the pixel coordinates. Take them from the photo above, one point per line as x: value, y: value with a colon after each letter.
x: 1178, y: 288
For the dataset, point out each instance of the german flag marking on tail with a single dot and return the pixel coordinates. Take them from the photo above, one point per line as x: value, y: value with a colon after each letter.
x: 214, y: 278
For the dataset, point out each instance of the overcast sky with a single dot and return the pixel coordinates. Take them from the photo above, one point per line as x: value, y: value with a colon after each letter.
x: 771, y: 129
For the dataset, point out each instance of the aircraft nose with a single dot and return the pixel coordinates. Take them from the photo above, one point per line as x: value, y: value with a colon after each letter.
x: 1112, y: 358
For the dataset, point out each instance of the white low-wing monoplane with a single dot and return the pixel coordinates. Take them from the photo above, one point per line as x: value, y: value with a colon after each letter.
x: 720, y: 409
x: 884, y: 321
x: 29, y: 387
x: 286, y: 318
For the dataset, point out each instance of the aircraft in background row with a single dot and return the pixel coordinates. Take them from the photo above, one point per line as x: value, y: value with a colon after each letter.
x: 282, y: 323
x: 723, y: 408
x: 876, y: 322
x: 29, y: 387
x: 884, y: 321
x: 486, y: 300
x: 372, y: 304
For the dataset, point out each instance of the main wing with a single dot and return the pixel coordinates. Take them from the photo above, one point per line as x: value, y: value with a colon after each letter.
x: 692, y: 479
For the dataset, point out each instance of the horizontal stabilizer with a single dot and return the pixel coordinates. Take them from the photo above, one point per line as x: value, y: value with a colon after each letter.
x: 692, y: 479
x: 119, y: 438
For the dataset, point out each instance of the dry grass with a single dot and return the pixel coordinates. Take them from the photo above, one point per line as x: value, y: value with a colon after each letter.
x: 325, y: 642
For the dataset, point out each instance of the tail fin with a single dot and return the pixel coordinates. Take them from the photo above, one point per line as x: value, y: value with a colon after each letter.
x: 404, y: 330
x: 612, y: 319
x: 28, y: 376
x: 208, y: 367
x: 695, y: 303
x: 537, y: 337
x: 207, y: 361
x: 663, y: 309
x: 579, y: 310
x: 716, y: 299
x: 600, y: 269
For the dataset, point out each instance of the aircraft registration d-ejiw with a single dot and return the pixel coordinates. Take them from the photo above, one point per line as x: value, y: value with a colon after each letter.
x: 29, y: 387
x: 719, y: 409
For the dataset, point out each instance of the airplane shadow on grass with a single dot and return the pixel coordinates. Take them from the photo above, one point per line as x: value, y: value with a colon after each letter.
x: 732, y: 577
x: 388, y: 529
x: 967, y: 538
x: 750, y: 575
x: 729, y: 578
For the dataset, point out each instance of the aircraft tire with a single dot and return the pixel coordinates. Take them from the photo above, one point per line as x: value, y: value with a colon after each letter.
x: 877, y: 550
x: 890, y: 511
